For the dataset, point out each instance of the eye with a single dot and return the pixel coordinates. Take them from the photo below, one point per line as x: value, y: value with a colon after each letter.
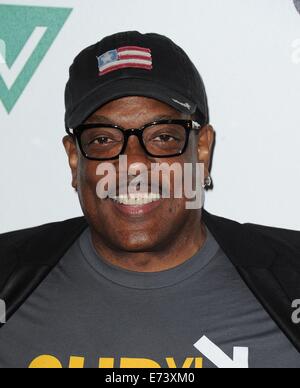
x: 102, y: 140
x: 165, y: 138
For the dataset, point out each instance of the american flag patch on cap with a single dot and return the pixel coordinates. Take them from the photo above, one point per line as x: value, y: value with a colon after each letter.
x: 125, y: 57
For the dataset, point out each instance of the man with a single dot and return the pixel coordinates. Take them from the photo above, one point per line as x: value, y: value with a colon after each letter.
x: 141, y: 280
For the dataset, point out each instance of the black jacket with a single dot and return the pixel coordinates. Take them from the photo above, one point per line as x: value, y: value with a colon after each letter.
x: 267, y: 259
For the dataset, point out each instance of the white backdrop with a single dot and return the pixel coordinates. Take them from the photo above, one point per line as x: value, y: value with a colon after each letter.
x: 248, y: 52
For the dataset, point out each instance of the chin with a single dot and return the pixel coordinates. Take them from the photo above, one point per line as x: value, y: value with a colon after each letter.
x: 138, y: 244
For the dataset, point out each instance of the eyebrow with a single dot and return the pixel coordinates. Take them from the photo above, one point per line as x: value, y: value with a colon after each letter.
x: 105, y: 120
x: 99, y: 118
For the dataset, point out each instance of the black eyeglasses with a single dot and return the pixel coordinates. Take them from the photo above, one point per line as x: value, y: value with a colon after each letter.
x: 159, y: 139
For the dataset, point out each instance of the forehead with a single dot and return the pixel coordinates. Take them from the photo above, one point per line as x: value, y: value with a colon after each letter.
x: 135, y: 108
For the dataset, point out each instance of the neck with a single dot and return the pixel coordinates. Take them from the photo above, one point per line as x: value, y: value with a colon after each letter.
x: 180, y: 248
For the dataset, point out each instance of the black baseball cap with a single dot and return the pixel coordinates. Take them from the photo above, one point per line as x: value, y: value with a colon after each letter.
x: 133, y: 64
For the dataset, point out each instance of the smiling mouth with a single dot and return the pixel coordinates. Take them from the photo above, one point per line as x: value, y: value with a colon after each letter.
x: 136, y: 205
x: 137, y: 199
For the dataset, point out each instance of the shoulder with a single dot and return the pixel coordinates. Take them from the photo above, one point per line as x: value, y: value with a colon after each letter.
x: 255, y: 245
x: 286, y: 237
x: 232, y: 230
x: 37, y: 245
x: 17, y: 238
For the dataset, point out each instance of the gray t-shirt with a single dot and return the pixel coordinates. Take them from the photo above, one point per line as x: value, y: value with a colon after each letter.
x: 88, y: 313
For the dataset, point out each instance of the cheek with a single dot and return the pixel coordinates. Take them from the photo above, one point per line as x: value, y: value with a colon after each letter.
x: 176, y: 207
x: 87, y: 180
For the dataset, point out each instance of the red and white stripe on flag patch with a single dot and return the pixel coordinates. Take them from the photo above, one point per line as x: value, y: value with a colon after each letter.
x: 125, y: 57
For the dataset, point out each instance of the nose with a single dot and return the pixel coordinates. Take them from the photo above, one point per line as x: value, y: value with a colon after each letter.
x: 135, y: 152
x: 138, y: 162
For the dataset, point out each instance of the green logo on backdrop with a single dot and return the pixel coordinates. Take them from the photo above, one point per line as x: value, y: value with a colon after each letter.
x: 26, y: 35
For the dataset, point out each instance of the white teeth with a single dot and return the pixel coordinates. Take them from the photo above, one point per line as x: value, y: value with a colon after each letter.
x: 137, y: 199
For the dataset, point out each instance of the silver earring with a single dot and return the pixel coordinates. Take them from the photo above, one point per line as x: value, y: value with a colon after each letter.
x: 207, y: 182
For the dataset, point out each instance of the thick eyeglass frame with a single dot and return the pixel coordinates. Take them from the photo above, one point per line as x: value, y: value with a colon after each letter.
x: 188, y: 125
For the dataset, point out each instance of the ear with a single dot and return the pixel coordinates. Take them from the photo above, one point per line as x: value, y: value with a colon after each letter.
x: 71, y: 150
x: 205, y: 147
